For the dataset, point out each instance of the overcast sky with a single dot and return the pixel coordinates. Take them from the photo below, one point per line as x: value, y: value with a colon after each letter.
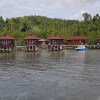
x: 64, y: 9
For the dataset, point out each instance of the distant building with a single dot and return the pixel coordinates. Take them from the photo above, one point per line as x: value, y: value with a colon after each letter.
x: 76, y: 40
x: 7, y: 43
x: 31, y: 43
x: 55, y: 43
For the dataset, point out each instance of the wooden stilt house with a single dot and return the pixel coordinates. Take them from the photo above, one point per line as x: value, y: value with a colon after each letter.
x: 31, y: 43
x: 77, y: 40
x: 55, y: 43
x: 7, y: 43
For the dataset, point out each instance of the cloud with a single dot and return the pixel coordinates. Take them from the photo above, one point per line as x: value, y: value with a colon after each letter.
x: 78, y: 16
x: 67, y: 9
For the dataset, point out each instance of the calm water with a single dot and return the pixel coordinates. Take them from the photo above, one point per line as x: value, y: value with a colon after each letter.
x: 65, y: 75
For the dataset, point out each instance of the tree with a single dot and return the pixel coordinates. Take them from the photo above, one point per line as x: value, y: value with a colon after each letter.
x: 97, y: 16
x: 1, y: 24
x: 94, y: 19
x: 87, y: 17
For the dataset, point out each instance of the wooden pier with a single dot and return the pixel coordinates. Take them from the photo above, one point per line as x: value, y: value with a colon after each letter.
x: 51, y: 48
x: 71, y: 47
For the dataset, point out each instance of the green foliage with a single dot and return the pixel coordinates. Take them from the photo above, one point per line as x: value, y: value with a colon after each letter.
x: 2, y: 23
x: 44, y: 27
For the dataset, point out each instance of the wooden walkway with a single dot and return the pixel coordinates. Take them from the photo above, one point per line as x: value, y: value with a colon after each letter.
x: 22, y: 48
x: 88, y: 46
x: 68, y: 47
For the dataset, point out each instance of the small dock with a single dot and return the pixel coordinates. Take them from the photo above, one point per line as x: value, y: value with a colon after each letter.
x: 71, y: 47
x: 50, y: 47
x: 20, y: 48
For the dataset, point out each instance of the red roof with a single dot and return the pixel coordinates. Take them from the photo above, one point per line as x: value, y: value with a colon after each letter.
x: 7, y: 37
x: 78, y: 38
x: 98, y: 38
x: 30, y: 37
x: 55, y: 37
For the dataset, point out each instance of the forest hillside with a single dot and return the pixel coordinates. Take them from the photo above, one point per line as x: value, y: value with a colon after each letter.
x: 44, y: 27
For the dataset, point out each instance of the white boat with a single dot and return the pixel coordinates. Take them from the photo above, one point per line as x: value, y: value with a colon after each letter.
x: 81, y: 48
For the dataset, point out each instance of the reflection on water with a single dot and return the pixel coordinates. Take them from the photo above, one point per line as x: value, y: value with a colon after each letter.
x: 79, y: 56
x: 47, y: 75
x: 7, y: 56
x: 56, y: 55
x: 6, y: 59
x: 32, y: 55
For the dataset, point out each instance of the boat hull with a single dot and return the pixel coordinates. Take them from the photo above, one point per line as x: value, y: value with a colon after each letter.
x: 81, y: 49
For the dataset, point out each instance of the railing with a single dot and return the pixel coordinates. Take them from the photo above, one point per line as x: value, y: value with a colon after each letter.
x: 6, y: 45
x: 5, y: 50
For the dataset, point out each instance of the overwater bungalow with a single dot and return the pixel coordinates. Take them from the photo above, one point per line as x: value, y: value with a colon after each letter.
x: 7, y: 43
x: 55, y: 43
x: 77, y: 40
x: 31, y: 43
